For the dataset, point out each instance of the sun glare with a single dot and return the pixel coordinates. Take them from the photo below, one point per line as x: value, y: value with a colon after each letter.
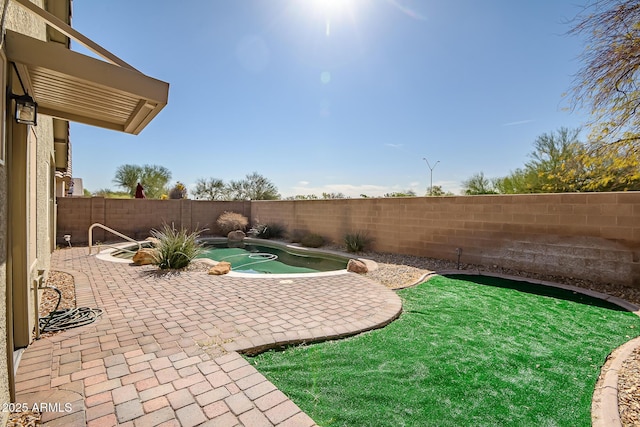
x: 331, y: 11
x: 332, y: 8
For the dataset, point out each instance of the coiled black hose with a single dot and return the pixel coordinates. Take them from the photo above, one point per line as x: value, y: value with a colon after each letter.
x: 67, y: 318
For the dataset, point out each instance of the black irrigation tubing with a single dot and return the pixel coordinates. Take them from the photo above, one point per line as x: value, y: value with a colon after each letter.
x: 68, y: 318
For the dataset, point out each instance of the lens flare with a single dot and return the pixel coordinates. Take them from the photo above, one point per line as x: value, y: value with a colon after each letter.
x: 407, y: 10
x: 325, y: 77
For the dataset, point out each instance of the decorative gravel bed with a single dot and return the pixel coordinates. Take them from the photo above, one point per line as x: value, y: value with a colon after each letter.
x: 629, y: 390
x: 24, y: 419
x: 49, y: 299
x: 398, y: 271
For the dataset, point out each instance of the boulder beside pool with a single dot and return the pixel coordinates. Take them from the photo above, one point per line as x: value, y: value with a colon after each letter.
x: 220, y: 268
x: 236, y: 236
x: 145, y: 256
x: 357, y: 266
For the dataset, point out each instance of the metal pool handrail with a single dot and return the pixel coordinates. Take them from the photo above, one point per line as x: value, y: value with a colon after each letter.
x: 111, y: 230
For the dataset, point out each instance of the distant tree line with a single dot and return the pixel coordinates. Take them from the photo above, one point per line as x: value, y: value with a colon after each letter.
x: 155, y: 181
x: 153, y: 178
x: 561, y: 163
x: 253, y: 187
x: 608, y: 84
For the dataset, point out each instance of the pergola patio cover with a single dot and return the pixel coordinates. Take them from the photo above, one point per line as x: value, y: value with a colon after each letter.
x: 76, y: 87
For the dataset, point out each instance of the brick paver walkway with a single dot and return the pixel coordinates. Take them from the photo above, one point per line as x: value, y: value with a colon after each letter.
x: 165, y: 351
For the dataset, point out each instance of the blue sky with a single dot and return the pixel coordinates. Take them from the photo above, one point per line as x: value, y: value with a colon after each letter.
x: 336, y: 95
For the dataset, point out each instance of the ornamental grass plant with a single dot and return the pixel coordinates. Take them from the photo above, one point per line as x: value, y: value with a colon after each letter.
x: 312, y: 240
x: 358, y: 241
x: 232, y: 221
x: 175, y: 248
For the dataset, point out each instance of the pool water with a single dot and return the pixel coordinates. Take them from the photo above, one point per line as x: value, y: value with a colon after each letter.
x: 250, y: 258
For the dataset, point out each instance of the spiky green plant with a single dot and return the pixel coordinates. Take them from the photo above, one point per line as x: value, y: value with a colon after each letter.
x: 357, y: 242
x: 176, y: 248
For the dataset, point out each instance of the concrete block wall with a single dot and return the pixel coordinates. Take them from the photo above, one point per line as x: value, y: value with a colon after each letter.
x: 589, y: 235
x: 205, y: 213
x: 74, y: 216
x: 136, y: 217
x: 593, y: 236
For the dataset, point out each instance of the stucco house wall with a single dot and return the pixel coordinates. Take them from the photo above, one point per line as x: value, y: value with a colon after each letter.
x: 39, y: 169
x: 21, y: 21
x: 4, y: 377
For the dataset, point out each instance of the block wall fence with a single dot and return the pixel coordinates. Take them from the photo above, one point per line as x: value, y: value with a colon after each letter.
x: 593, y: 236
x: 136, y: 217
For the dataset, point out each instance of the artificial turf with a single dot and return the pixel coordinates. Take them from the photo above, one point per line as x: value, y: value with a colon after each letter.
x: 465, y: 351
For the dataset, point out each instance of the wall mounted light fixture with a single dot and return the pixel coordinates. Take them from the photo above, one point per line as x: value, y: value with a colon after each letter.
x: 26, y: 109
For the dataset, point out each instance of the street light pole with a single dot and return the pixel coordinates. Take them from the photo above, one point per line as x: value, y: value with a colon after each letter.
x: 431, y: 170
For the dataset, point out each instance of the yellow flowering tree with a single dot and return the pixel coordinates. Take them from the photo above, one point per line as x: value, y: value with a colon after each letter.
x: 609, y: 84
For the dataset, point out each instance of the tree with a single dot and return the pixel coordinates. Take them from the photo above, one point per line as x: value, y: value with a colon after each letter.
x: 253, y: 187
x: 519, y: 181
x: 556, y: 164
x: 437, y: 190
x: 153, y: 178
x: 561, y: 163
x: 303, y: 197
x: 611, y: 167
x: 127, y: 177
x: 179, y: 191
x: 478, y: 184
x: 210, y: 189
x: 107, y: 193
x: 609, y: 84
x: 408, y: 193
x: 608, y: 80
x: 333, y: 195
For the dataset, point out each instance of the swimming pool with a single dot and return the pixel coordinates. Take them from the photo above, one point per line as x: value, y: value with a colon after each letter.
x: 255, y: 257
x: 266, y: 258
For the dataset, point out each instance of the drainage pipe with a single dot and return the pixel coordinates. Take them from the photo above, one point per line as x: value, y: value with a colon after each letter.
x: 37, y: 285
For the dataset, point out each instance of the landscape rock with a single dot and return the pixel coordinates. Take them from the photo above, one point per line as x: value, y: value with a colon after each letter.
x: 145, y: 256
x: 220, y: 268
x: 357, y: 266
x: 236, y: 236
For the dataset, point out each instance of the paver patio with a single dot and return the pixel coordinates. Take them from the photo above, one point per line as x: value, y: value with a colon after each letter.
x: 165, y: 350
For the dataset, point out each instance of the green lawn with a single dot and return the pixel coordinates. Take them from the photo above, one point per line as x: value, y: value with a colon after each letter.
x: 466, y: 351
